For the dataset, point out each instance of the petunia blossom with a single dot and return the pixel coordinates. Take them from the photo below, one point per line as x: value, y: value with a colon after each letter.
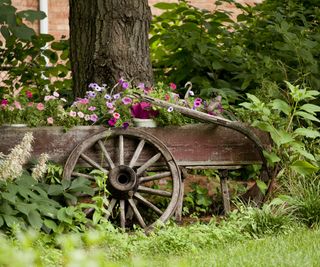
x: 92, y: 108
x: 125, y: 85
x: 109, y: 105
x: 72, y: 113
x: 93, y: 117
x: 107, y: 96
x: 80, y: 114
x: 116, y: 96
x: 126, y: 100
x: 116, y: 115
x: 50, y: 120
x: 125, y: 125
x: 91, y: 94
x: 170, y: 109
x: 56, y: 94
x: 83, y: 101
x: 28, y: 94
x: 4, y: 102
x: 112, y: 122
x: 40, y: 106
x: 173, y: 86
x: 49, y: 97
x: 191, y: 93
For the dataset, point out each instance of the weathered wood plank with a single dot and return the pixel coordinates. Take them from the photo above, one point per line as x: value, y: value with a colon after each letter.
x: 191, y: 145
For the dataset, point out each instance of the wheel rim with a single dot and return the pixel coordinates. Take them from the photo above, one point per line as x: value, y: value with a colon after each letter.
x: 143, y: 177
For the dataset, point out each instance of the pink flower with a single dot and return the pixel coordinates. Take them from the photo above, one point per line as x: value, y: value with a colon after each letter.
x: 125, y: 85
x: 109, y: 105
x: 80, y: 114
x: 4, y: 102
x: 40, y: 106
x: 49, y: 97
x: 173, y: 86
x: 112, y: 122
x: 91, y: 108
x: 17, y: 105
x: 83, y: 101
x: 141, y: 86
x: 126, y: 100
x: 116, y: 115
x: 167, y: 97
x: 72, y: 113
x: 50, y: 120
x: 28, y: 94
x: 93, y: 117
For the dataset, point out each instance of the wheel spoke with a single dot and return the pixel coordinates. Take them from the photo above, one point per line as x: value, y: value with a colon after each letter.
x: 93, y: 163
x: 137, y: 213
x: 121, y: 150
x: 110, y: 208
x: 154, y: 177
x: 152, y: 191
x: 137, y: 153
x: 78, y: 174
x: 106, y: 154
x: 122, y: 214
x: 148, y: 163
x: 148, y: 203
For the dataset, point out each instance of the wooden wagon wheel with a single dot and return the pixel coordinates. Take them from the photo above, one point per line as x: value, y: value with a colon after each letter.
x: 143, y: 179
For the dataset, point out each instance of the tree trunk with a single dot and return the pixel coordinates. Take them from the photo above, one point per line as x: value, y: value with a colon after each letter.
x: 109, y: 40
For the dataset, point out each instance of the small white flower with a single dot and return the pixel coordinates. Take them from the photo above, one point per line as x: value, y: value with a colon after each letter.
x: 170, y: 109
x: 191, y: 93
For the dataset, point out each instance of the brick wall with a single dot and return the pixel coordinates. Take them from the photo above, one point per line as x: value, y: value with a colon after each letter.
x: 58, y: 11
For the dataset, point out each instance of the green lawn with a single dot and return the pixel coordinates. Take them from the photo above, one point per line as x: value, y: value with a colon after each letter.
x: 299, y: 248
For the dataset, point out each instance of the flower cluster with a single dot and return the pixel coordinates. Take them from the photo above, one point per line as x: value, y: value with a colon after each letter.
x: 21, y: 106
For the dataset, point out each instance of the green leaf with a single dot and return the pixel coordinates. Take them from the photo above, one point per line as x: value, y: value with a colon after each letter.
x: 31, y: 15
x: 50, y: 224
x: 307, y: 116
x: 310, y: 133
x: 55, y: 190
x: 34, y: 219
x: 1, y: 221
x: 281, y: 137
x: 271, y: 157
x: 262, y: 186
x: 303, y: 167
x: 23, y: 32
x: 311, y: 108
x: 165, y: 6
x: 10, y: 220
x: 281, y: 105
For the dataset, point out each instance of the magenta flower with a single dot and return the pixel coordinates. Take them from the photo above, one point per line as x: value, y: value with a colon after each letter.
x: 93, y: 117
x: 40, y: 106
x: 83, y: 101
x: 92, y: 108
x: 28, y: 94
x: 173, y: 86
x: 143, y: 110
x: 126, y: 100
x: 112, y: 122
x: 198, y: 99
x: 196, y: 104
x: 4, y: 102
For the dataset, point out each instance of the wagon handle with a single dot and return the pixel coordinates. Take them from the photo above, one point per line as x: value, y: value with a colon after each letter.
x: 235, y: 125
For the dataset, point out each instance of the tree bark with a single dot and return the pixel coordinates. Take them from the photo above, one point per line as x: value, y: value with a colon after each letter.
x: 109, y: 40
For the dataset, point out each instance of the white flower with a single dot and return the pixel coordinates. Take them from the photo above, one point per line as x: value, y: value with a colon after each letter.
x: 40, y: 169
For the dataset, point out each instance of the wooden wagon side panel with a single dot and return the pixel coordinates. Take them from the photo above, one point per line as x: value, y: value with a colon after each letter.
x: 191, y: 145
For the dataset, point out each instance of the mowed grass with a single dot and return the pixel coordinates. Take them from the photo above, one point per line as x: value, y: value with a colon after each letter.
x: 299, y: 248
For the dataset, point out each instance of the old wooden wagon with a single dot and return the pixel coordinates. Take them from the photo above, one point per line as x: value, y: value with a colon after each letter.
x: 145, y: 166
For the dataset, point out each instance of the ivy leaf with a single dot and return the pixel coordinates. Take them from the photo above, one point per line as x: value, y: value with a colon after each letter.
x: 303, y: 167
x: 281, y: 105
x: 307, y: 132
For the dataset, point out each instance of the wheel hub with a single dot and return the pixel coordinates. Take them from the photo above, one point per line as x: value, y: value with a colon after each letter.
x: 122, y: 180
